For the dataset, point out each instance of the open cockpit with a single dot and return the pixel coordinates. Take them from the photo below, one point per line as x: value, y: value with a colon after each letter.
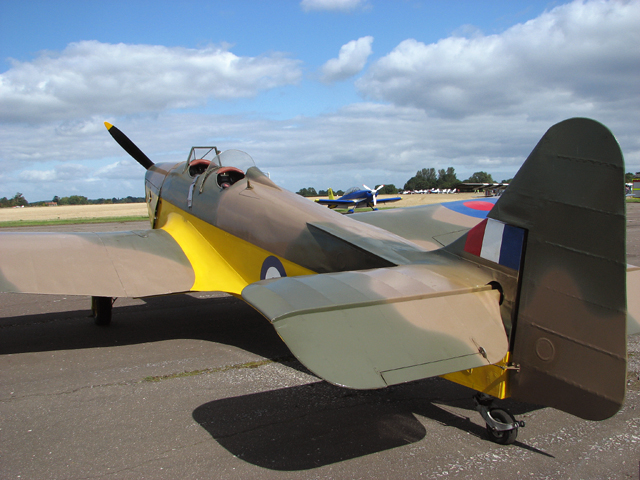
x: 228, y: 167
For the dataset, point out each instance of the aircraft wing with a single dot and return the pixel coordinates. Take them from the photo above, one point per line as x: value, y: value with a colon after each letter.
x: 119, y: 264
x: 390, y: 199
x: 336, y: 202
x: 373, y: 328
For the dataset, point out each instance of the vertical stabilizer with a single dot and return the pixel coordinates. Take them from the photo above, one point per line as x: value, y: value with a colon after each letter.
x: 569, y: 334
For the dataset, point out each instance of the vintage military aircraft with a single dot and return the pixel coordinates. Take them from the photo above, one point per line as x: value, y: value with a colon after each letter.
x: 525, y: 296
x: 357, y: 197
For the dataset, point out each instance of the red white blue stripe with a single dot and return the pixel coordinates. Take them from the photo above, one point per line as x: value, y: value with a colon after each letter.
x: 497, y: 242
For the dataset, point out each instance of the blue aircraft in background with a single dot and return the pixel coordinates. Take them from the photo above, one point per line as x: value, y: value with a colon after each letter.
x: 356, y: 197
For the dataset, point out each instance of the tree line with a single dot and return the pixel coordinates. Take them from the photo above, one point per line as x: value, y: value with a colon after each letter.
x: 18, y: 200
x: 82, y: 200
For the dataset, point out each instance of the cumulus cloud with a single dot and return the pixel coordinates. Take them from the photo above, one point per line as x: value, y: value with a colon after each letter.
x: 575, y: 56
x: 60, y: 173
x: 361, y: 143
x: 90, y: 77
x: 331, y: 5
x: 124, y: 169
x: 351, y: 60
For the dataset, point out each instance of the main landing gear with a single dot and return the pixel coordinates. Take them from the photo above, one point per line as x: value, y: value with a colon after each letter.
x: 101, y: 310
x: 502, y: 427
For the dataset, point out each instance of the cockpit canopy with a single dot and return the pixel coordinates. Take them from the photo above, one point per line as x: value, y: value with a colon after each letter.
x: 228, y: 166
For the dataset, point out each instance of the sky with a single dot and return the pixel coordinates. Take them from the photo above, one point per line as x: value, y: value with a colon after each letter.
x: 320, y: 93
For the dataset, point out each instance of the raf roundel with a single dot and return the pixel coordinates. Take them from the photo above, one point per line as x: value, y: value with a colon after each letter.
x: 272, y: 268
x: 472, y: 208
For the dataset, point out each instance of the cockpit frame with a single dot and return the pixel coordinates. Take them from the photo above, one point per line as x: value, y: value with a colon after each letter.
x: 201, y: 158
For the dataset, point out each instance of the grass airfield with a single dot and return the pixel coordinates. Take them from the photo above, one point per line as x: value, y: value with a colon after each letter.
x: 70, y: 213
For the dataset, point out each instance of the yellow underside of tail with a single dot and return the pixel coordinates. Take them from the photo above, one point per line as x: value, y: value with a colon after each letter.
x: 491, y: 379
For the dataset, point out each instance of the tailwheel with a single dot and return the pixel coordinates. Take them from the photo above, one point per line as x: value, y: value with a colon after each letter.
x: 502, y: 427
x: 101, y: 309
x: 503, y: 437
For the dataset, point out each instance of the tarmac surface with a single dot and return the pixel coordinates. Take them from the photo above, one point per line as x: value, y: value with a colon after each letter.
x: 200, y: 386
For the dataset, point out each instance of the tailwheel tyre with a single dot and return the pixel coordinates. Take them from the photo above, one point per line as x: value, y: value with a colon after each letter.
x: 503, y: 437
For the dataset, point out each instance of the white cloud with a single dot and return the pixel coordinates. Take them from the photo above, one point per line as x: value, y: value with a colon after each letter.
x: 331, y: 5
x: 123, y: 169
x: 90, y: 78
x: 362, y: 143
x: 351, y: 60
x: 60, y: 173
x: 577, y: 57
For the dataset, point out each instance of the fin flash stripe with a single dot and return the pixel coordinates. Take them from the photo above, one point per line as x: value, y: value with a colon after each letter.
x: 497, y: 242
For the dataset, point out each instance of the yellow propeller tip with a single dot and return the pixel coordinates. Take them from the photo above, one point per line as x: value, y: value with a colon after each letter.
x: 108, y: 125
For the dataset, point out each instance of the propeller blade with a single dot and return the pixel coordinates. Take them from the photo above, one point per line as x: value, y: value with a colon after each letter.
x: 129, y: 146
x: 370, y: 189
x: 379, y: 188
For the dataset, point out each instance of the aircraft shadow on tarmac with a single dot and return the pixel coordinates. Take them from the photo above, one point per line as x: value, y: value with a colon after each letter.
x: 318, y: 424
x: 295, y: 428
x: 224, y: 320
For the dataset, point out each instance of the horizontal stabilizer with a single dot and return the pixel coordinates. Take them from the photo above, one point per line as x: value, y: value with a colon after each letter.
x: 370, y: 329
x: 119, y: 264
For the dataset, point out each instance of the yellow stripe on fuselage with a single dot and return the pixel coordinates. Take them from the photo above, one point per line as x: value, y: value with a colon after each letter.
x: 221, y: 261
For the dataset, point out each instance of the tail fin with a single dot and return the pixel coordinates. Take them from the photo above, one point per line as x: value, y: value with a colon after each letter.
x: 569, y: 314
x: 331, y: 196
